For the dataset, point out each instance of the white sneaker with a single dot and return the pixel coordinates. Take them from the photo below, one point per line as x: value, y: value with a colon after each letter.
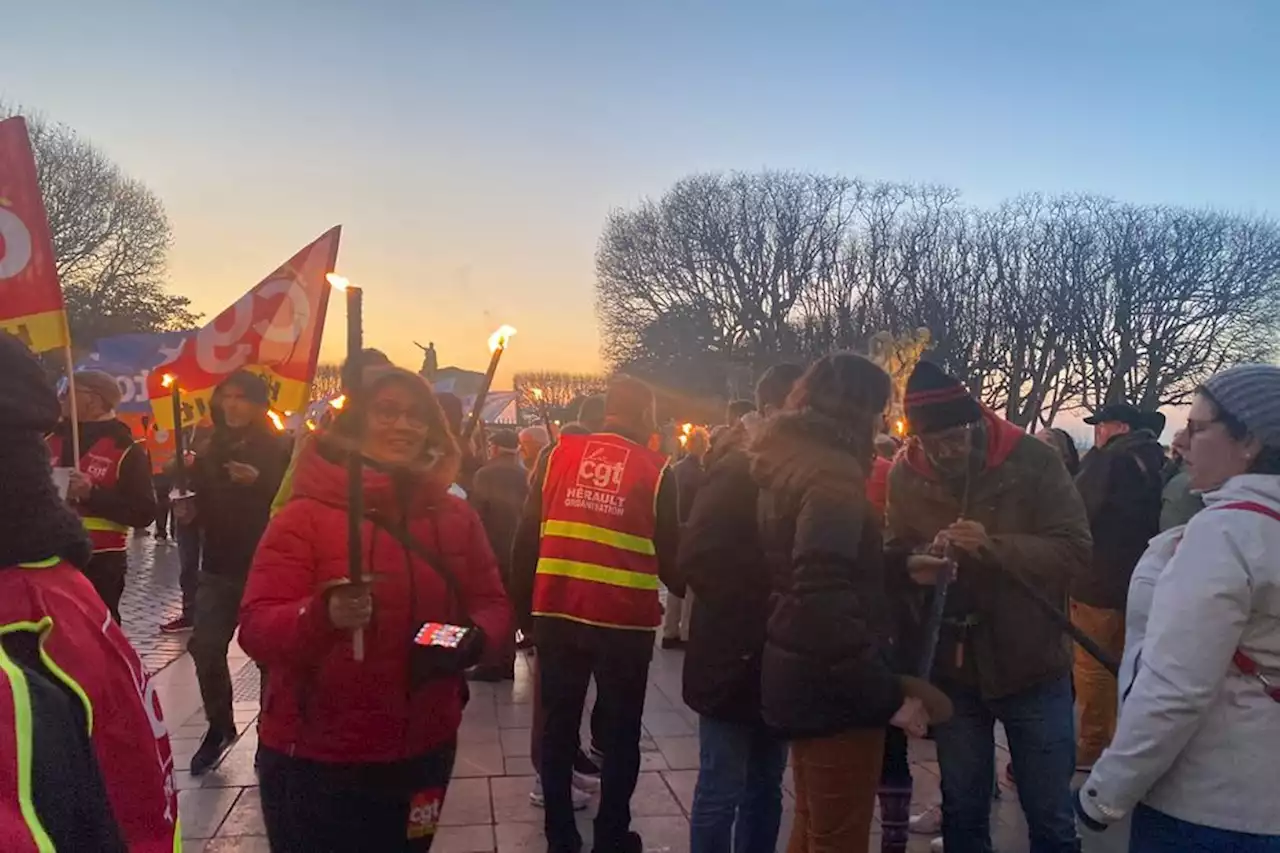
x: 581, y: 799
x: 935, y: 846
x: 928, y: 822
x: 587, y: 784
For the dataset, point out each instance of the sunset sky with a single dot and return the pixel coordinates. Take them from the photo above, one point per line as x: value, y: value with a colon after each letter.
x: 471, y: 150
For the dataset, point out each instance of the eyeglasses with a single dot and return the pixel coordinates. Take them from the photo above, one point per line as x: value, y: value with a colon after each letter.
x: 387, y: 414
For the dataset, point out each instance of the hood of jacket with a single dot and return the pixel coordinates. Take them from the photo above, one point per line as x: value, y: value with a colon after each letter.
x: 1002, y: 438
x: 321, y: 475
x: 796, y: 451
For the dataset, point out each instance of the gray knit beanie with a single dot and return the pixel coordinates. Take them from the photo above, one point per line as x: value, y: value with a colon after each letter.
x: 1251, y: 394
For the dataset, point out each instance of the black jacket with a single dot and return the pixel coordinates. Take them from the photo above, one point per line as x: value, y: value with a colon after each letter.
x: 690, y: 475
x: 231, y: 516
x: 1122, y: 485
x: 498, y: 493
x: 722, y: 564
x: 132, y: 500
x: 524, y: 559
x: 826, y: 664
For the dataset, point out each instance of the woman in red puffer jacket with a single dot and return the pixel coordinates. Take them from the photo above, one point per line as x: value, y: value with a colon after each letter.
x: 356, y: 755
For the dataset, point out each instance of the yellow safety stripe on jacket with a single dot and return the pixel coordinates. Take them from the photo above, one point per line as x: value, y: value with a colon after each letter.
x: 597, y: 624
x: 43, y: 628
x: 41, y: 564
x: 597, y: 574
x: 104, y: 525
x: 603, y: 535
x: 22, y: 720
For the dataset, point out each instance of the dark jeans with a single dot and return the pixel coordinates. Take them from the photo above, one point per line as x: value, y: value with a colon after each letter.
x: 189, y: 546
x: 896, y: 771
x: 1157, y: 832
x: 217, y: 614
x: 536, y: 726
x: 316, y: 807
x: 1040, y: 726
x: 738, y: 798
x: 106, y: 571
x: 619, y: 661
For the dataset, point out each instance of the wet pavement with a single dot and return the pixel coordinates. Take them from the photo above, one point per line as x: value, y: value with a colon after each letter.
x: 487, y: 807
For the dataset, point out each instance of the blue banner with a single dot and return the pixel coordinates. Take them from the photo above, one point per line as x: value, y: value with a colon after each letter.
x: 130, y: 359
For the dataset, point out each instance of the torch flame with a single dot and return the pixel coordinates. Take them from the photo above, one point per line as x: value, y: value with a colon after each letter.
x: 276, y: 420
x: 498, y: 340
x: 338, y: 402
x: 339, y: 282
x: 311, y: 425
x: 686, y: 428
x: 900, y: 427
x: 537, y: 393
x: 167, y: 380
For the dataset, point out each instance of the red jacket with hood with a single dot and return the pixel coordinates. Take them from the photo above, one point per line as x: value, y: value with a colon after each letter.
x: 321, y: 704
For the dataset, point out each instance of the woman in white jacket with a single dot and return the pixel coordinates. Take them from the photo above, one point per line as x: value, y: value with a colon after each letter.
x: 1194, y: 758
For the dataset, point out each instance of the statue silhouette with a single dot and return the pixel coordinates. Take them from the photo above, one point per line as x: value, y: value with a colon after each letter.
x: 430, y: 364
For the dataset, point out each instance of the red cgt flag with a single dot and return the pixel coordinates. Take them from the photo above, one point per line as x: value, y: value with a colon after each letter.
x: 273, y: 330
x: 30, y: 298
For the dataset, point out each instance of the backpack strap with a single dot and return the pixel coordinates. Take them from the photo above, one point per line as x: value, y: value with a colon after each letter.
x: 1242, y: 661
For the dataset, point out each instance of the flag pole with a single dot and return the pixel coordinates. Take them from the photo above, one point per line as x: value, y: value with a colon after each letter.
x: 74, y: 411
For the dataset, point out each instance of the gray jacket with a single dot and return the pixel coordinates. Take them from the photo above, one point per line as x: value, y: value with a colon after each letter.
x: 1196, y: 738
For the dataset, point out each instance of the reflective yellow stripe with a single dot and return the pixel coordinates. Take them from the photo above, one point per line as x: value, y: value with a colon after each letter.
x: 43, y: 628
x: 22, y: 734
x: 41, y: 564
x: 591, y: 533
x: 102, y: 524
x: 597, y: 574
x: 177, y: 835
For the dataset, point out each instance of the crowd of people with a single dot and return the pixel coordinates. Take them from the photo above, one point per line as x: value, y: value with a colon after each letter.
x: 837, y: 592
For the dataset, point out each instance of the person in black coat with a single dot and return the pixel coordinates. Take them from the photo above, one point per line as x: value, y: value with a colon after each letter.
x: 739, y: 789
x: 235, y: 481
x: 1121, y: 481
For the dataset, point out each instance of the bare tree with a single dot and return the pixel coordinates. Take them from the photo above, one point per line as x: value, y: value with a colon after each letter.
x: 558, y: 389
x: 1043, y: 305
x: 327, y: 382
x: 110, y: 238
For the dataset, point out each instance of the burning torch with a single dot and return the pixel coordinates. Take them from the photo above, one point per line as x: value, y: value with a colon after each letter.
x: 497, y: 345
x: 545, y: 413
x: 355, y: 461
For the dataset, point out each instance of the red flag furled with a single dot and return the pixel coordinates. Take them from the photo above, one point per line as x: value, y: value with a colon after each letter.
x: 30, y: 299
x: 273, y: 330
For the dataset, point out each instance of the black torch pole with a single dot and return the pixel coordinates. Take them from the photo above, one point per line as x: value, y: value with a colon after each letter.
x: 478, y: 406
x: 355, y: 459
x: 179, y: 440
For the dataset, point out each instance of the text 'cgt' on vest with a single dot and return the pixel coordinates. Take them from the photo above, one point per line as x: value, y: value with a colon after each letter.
x: 597, y: 563
x: 100, y: 462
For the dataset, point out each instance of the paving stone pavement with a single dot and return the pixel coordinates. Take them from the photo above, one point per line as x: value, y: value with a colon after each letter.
x: 151, y: 598
x: 487, y: 808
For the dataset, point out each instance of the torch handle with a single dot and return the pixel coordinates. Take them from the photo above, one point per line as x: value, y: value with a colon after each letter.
x: 933, y: 627
x: 478, y: 407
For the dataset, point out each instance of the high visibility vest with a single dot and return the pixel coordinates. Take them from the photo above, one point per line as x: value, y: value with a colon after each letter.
x: 597, y: 563
x: 100, y: 463
x: 82, y: 647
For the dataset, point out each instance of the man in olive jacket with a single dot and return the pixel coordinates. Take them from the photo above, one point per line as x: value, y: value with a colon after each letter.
x: 979, y: 490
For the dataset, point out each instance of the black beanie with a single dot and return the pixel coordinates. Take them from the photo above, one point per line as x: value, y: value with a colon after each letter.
x: 936, y: 401
x: 27, y: 398
x: 35, y: 523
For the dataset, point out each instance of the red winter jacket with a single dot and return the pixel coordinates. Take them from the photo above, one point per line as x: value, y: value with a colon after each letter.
x: 321, y: 704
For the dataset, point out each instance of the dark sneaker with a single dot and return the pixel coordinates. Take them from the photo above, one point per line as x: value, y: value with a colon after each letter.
x: 174, y: 626
x: 673, y: 643
x: 629, y: 843
x: 216, y: 742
